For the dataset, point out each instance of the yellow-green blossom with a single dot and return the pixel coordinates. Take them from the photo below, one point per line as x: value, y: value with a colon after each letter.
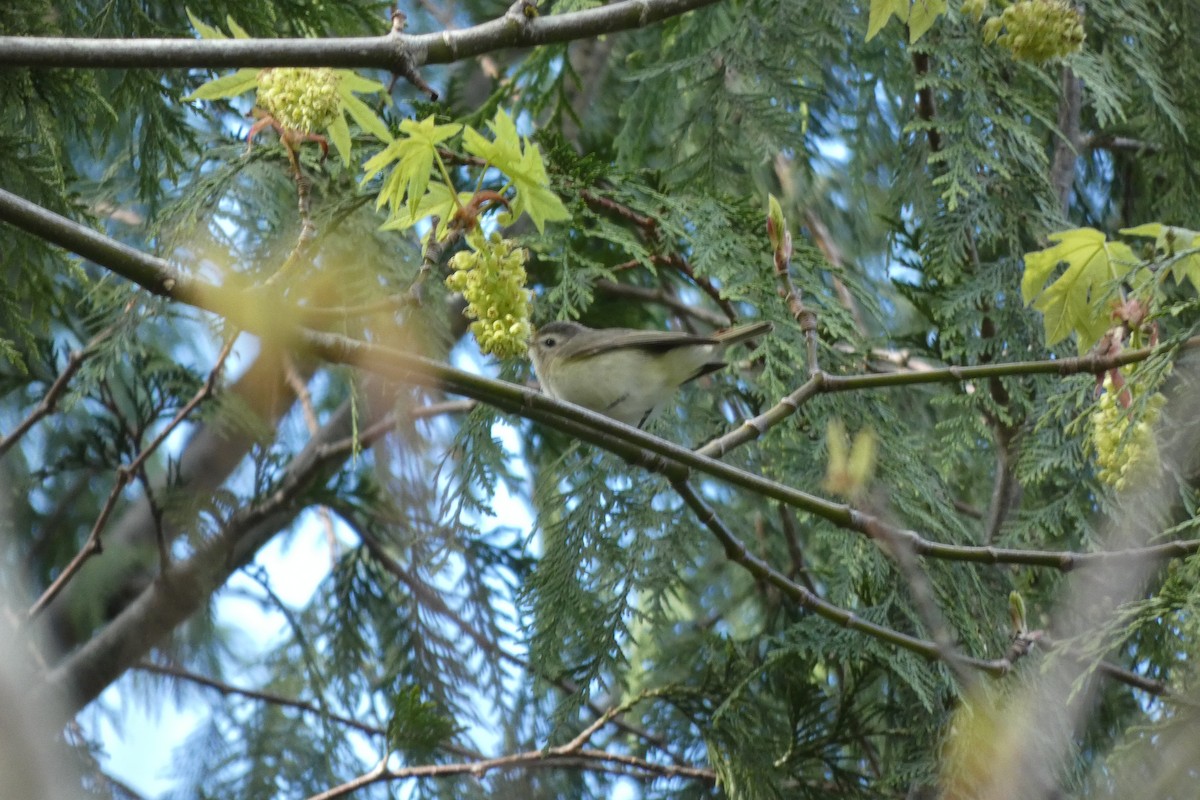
x: 300, y: 98
x: 491, y: 276
x: 1123, y: 441
x: 1035, y: 30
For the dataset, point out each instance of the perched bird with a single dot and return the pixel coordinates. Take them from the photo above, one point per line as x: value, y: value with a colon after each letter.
x: 625, y: 373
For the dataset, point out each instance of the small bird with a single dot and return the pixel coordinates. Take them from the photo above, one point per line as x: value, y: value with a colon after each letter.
x: 625, y: 373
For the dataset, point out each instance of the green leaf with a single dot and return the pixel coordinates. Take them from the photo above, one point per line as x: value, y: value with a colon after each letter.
x: 522, y: 165
x: 230, y: 85
x: 414, y: 156
x: 1170, y: 240
x: 205, y: 30
x: 882, y: 11
x: 339, y: 132
x: 534, y: 196
x: 352, y: 81
x: 417, y: 727
x: 362, y: 114
x: 238, y: 31
x: 1074, y: 301
x: 924, y: 13
x: 438, y: 201
x: 504, y: 150
x: 1151, y: 230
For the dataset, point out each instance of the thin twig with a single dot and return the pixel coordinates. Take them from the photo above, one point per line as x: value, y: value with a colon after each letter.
x: 266, y: 697
x: 737, y: 552
x: 649, y: 225
x: 705, y: 285
x: 791, y: 538
x: 49, y: 401
x: 533, y: 759
x: 1108, y: 141
x: 93, y: 546
x: 791, y: 294
x: 308, y: 229
x: 833, y: 254
x: 587, y: 733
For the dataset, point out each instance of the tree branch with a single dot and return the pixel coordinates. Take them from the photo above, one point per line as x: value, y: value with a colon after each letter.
x: 184, y: 587
x: 1066, y: 148
x: 49, y: 401
x: 266, y: 697
x: 736, y: 551
x: 632, y: 444
x: 597, y: 760
x: 395, y: 52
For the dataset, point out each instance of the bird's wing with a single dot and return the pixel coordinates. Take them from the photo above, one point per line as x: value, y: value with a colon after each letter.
x: 655, y: 341
x: 743, y: 332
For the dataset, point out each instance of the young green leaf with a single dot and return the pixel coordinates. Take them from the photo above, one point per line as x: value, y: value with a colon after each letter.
x: 1074, y: 302
x: 439, y: 201
x: 205, y: 30
x: 339, y: 134
x: 522, y: 165
x: 414, y: 155
x: 240, y: 82
x: 1170, y: 241
x: 882, y: 11
x: 238, y: 31
x: 924, y: 13
x: 359, y: 111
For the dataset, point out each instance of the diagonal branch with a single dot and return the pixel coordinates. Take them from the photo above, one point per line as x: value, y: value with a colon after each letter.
x: 737, y: 552
x: 634, y: 445
x: 940, y: 648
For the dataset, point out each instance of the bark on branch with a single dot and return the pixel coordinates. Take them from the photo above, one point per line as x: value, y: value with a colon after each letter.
x: 395, y: 52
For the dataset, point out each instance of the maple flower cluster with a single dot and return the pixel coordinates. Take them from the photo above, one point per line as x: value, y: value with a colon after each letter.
x: 300, y: 98
x: 1034, y: 30
x: 491, y: 276
x: 1125, y: 459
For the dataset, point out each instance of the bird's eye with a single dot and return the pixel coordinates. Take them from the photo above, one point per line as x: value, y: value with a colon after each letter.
x: 549, y: 341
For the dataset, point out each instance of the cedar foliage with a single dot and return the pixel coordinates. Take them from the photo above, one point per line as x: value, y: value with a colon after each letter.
x: 448, y: 629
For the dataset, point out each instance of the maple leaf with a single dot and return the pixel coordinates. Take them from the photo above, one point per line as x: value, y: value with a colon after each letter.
x: 924, y: 13
x: 1075, y: 301
x: 1176, y: 245
x: 521, y: 162
x: 414, y: 156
